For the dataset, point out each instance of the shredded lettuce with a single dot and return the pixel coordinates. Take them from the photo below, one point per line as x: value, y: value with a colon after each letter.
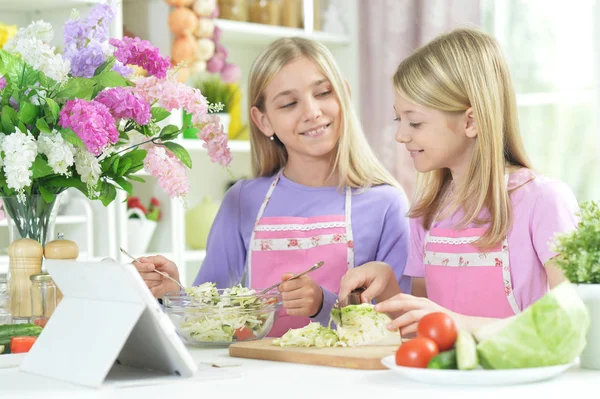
x: 360, y: 325
x: 236, y: 309
x: 314, y: 334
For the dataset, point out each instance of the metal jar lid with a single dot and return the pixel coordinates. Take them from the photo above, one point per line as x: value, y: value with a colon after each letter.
x: 45, y: 277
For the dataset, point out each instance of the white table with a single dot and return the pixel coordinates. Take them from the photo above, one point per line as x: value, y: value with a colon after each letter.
x: 246, y: 378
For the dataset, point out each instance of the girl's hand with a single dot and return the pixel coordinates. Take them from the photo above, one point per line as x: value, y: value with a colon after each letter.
x: 159, y: 285
x: 377, y: 278
x: 301, y: 296
x: 406, y: 311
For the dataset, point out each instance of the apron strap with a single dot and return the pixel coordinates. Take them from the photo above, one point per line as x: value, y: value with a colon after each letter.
x: 348, y: 220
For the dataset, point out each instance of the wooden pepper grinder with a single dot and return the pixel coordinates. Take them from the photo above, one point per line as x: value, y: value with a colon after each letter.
x: 61, y: 249
x: 25, y: 258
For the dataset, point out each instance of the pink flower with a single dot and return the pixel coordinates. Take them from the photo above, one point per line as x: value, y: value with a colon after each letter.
x: 217, y: 34
x: 123, y: 104
x: 215, y: 141
x: 135, y: 51
x: 92, y: 122
x: 2, y: 82
x: 230, y: 73
x: 215, y: 64
x: 293, y: 242
x: 169, y: 171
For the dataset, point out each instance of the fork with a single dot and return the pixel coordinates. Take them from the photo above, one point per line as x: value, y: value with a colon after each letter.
x: 157, y: 271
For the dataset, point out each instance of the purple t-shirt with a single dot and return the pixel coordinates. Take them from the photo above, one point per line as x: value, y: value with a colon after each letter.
x: 379, y: 227
x: 541, y: 208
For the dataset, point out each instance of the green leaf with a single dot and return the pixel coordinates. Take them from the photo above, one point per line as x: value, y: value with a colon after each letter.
x: 125, y: 185
x: 169, y: 132
x: 180, y: 153
x: 46, y: 194
x: 40, y: 167
x: 124, y: 167
x: 137, y: 156
x: 106, y: 66
x: 63, y: 182
x: 159, y: 114
x: 77, y: 88
x: 110, y: 79
x: 43, y: 126
x: 22, y: 126
x: 146, y: 131
x: 71, y: 137
x: 53, y: 108
x: 136, y: 178
x: 28, y: 113
x: 134, y: 169
x: 108, y: 193
x: 115, y: 166
x: 8, y: 118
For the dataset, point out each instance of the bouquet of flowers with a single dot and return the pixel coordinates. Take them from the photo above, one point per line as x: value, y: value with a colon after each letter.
x: 80, y: 119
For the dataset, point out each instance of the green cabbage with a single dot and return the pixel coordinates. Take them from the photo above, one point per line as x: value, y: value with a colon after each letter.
x: 550, y: 332
x: 362, y: 325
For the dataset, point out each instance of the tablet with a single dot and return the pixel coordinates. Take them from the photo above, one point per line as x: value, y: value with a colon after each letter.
x: 107, y: 317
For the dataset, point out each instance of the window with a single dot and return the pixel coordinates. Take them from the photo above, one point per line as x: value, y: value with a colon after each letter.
x: 554, y: 65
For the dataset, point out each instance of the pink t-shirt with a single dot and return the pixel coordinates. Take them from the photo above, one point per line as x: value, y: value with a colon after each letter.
x: 541, y: 208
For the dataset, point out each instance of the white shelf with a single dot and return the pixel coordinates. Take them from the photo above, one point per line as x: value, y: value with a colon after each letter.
x: 194, y: 255
x: 42, y: 5
x: 60, y: 219
x: 196, y: 145
x: 260, y: 34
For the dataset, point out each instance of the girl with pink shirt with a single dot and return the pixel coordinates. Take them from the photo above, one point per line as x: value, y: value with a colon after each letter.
x: 483, y: 220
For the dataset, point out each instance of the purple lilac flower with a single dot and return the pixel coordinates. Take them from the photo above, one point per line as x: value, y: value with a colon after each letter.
x: 3, y: 83
x: 122, y: 70
x: 123, y: 104
x: 85, y: 40
x: 135, y: 51
x: 92, y: 122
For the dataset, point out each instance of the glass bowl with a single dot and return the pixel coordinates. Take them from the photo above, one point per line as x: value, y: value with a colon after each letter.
x: 223, y: 322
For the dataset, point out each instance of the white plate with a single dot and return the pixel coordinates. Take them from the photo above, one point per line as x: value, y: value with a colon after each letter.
x: 475, y: 377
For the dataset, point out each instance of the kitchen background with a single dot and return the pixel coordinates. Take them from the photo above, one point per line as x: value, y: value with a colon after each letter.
x: 550, y: 47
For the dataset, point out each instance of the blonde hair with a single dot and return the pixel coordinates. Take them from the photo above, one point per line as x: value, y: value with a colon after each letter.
x: 356, y: 164
x: 456, y: 71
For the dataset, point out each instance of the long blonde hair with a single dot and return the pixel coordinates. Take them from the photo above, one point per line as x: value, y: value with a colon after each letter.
x: 356, y: 164
x: 462, y: 69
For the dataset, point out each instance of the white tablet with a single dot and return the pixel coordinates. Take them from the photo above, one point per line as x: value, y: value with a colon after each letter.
x: 107, y: 317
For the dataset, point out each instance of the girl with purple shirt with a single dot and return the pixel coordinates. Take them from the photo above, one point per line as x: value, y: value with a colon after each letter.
x: 319, y: 194
x: 483, y: 221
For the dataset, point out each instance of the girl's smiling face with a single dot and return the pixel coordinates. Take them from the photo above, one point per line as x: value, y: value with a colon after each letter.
x: 302, y: 109
x: 435, y: 139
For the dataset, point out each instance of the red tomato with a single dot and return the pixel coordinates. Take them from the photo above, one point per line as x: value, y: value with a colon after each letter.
x: 438, y: 327
x: 416, y: 353
x: 41, y: 322
x: 243, y: 333
x: 21, y: 344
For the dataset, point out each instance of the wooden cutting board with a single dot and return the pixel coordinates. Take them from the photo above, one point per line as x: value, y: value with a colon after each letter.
x: 363, y: 358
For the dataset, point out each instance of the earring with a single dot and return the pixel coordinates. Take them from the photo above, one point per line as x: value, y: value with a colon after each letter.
x: 272, y: 138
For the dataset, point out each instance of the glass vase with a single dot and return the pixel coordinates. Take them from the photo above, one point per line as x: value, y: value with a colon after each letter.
x: 33, y: 218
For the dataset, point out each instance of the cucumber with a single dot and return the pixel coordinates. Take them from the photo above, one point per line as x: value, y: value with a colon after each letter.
x: 7, y: 331
x: 466, y: 351
x: 444, y: 361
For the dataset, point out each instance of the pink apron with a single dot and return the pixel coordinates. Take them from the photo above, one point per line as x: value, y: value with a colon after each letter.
x: 280, y: 245
x: 464, y: 280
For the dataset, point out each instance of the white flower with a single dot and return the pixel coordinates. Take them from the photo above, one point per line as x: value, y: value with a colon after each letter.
x: 20, y: 150
x: 58, y: 151
x: 87, y: 166
x: 32, y: 43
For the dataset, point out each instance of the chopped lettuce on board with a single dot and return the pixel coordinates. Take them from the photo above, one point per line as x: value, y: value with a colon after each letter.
x: 550, y: 332
x: 314, y: 334
x: 361, y: 325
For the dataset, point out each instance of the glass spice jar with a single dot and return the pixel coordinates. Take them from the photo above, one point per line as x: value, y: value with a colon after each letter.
x: 43, y: 298
x: 233, y: 10
x: 265, y: 11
